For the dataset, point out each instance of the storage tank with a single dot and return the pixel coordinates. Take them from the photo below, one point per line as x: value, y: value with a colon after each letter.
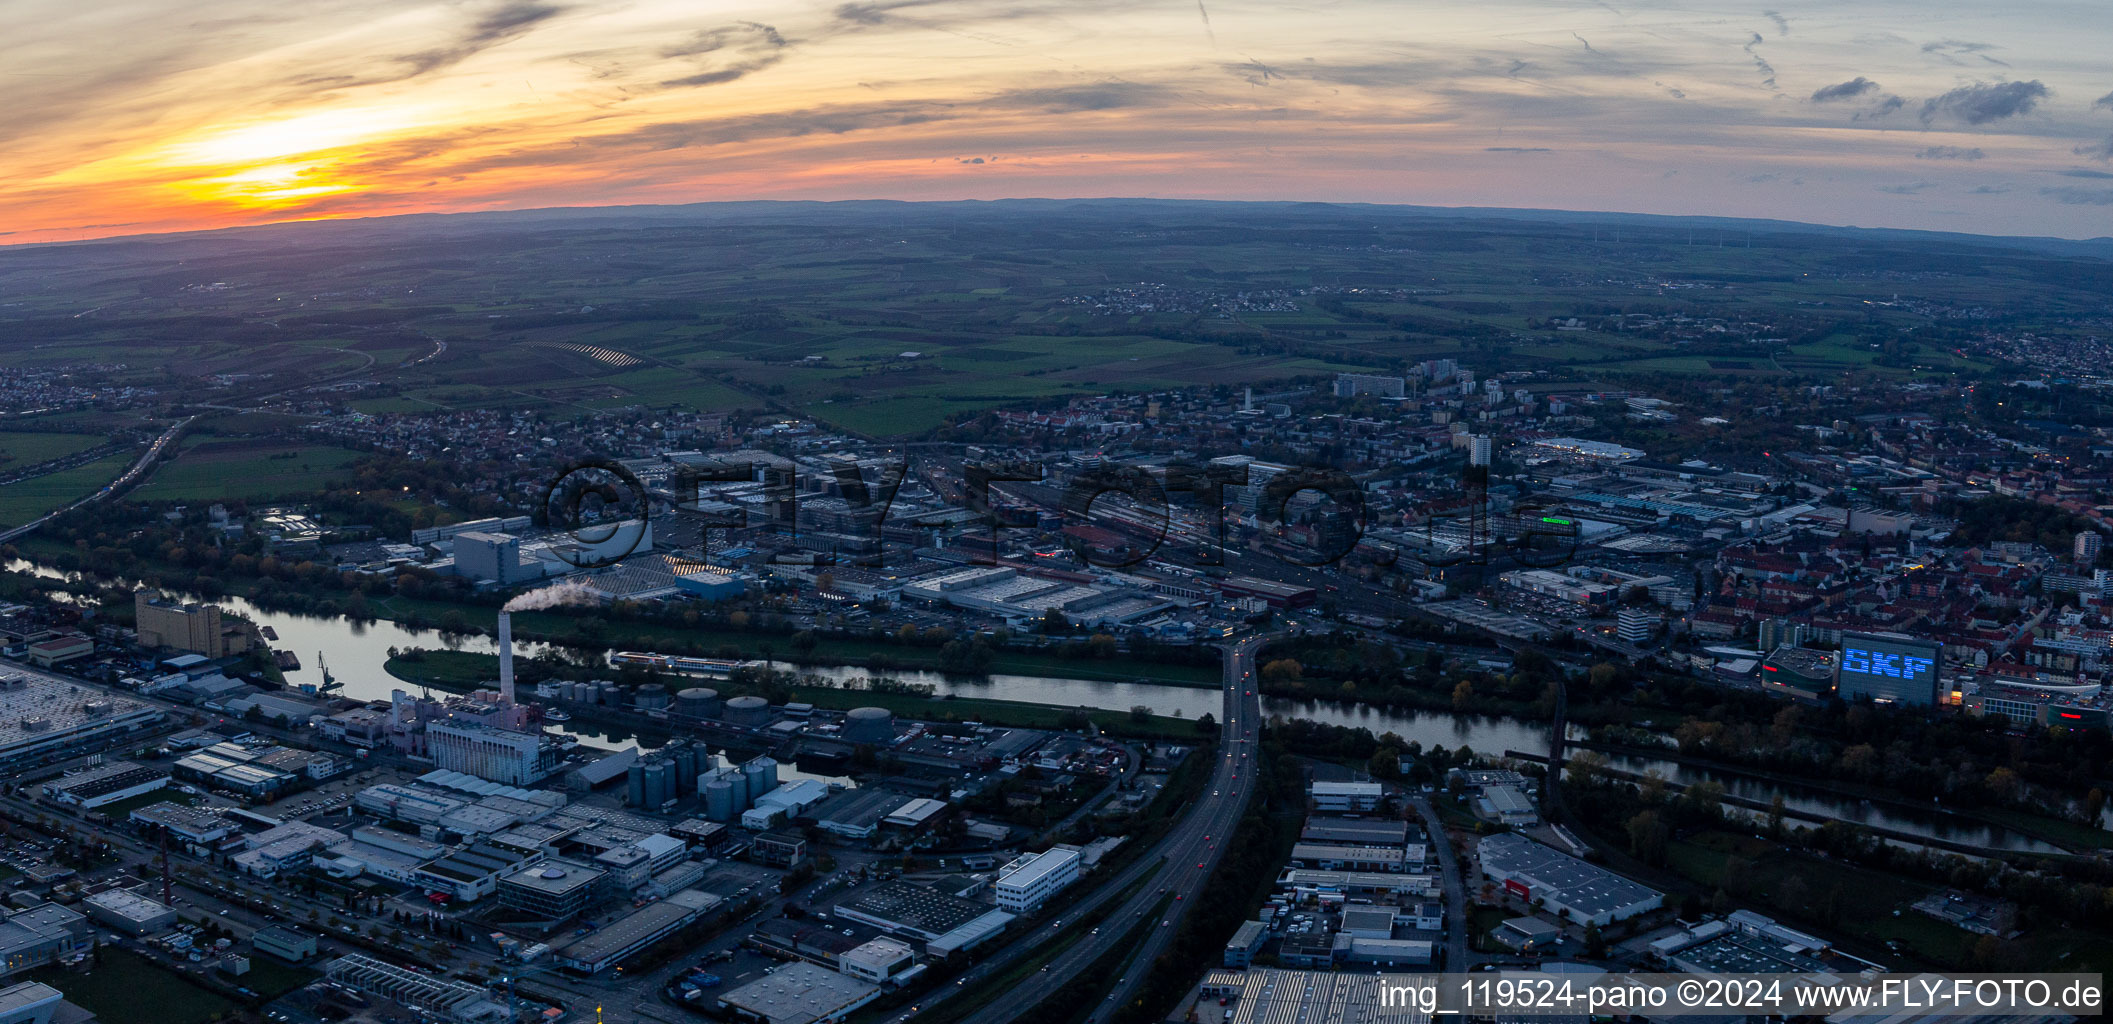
x: 753, y: 712
x: 635, y: 784
x: 651, y: 697
x: 869, y: 725
x: 719, y: 800
x: 657, y: 777
x: 762, y: 775
x: 698, y: 702
x: 686, y: 757
x: 607, y: 693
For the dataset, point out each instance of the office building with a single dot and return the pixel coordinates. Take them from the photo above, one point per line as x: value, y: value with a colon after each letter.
x: 1636, y: 625
x: 108, y: 783
x: 43, y: 934
x: 1346, y: 796
x: 1027, y: 882
x: 876, y: 960
x: 1888, y: 668
x: 288, y: 944
x: 495, y: 755
x: 555, y: 890
x: 1478, y: 450
x: 1351, y: 385
x: 197, y: 628
x: 1247, y: 941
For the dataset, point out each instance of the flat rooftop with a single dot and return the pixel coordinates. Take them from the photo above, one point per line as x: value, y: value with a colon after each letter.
x: 799, y: 993
x: 1575, y: 883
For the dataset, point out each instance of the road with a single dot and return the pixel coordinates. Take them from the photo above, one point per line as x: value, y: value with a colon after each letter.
x: 1456, y: 904
x: 1178, y: 867
x: 130, y: 477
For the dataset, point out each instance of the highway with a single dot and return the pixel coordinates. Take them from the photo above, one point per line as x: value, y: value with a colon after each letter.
x: 130, y: 477
x: 1178, y: 867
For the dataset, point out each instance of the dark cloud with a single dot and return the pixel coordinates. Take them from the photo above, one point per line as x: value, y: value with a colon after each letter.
x: 728, y: 53
x: 1848, y: 90
x: 2096, y: 150
x: 2085, y: 172
x: 2070, y: 195
x: 1760, y: 63
x: 501, y: 24
x: 2105, y: 101
x: 1517, y: 149
x: 971, y: 160
x: 1950, y: 153
x: 1074, y: 98
x: 1782, y: 23
x: 1908, y: 189
x: 1981, y: 103
x: 1988, y: 190
x: 1951, y: 51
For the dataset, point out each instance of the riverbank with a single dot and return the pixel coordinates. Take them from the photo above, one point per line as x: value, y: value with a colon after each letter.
x: 461, y: 671
x: 2067, y: 835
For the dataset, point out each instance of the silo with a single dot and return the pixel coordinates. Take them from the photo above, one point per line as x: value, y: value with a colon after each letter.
x: 698, y: 702
x: 635, y: 779
x: 753, y: 712
x: 609, y: 694
x: 719, y: 801
x: 869, y: 725
x: 657, y: 793
x: 685, y: 755
x: 762, y: 775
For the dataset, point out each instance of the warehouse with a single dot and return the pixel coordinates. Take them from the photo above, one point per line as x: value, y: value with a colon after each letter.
x: 43, y: 718
x: 627, y: 936
x: 797, y: 993
x: 104, y: 784
x: 918, y: 911
x: 1566, y: 886
x: 129, y: 912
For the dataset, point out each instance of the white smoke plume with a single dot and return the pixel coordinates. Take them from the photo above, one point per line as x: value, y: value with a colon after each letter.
x: 552, y: 597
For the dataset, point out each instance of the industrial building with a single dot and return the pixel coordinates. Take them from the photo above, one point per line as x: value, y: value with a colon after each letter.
x: 627, y: 936
x: 43, y: 934
x: 33, y: 1002
x: 500, y: 755
x: 129, y: 912
x: 1269, y: 996
x: 108, y: 783
x: 1327, y: 857
x: 554, y: 890
x: 1566, y: 886
x: 197, y: 628
x: 43, y: 718
x: 288, y: 944
x: 455, y: 1001
x: 918, y: 911
x: 1508, y: 806
x: 1027, y: 882
x: 797, y: 993
x: 876, y: 960
x: 1346, y: 796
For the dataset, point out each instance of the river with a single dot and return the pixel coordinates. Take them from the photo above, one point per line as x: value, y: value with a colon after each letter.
x: 356, y: 652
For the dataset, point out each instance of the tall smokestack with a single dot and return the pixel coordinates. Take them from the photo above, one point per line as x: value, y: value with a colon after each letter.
x: 506, y: 658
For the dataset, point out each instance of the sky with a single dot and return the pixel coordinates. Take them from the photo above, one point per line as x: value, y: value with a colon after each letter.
x: 134, y: 116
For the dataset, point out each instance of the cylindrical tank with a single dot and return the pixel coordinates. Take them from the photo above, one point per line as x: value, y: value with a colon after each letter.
x: 651, y: 697
x: 719, y: 801
x: 657, y: 775
x: 753, y: 712
x: 609, y: 694
x: 869, y: 725
x: 762, y: 775
x: 698, y: 702
x: 684, y: 755
x: 635, y: 780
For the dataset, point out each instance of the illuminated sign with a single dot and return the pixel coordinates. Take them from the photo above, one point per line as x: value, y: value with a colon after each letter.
x: 1888, y: 669
x: 1885, y: 663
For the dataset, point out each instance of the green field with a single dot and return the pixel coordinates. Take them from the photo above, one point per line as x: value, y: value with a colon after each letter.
x: 216, y: 470
x: 26, y: 500
x: 127, y: 988
x: 21, y: 450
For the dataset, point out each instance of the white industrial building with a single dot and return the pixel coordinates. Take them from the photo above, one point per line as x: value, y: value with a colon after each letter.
x: 1346, y: 796
x: 1027, y: 882
x: 1566, y: 886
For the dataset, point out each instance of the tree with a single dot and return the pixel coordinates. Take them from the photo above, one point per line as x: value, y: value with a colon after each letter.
x: 1283, y: 670
x: 1054, y: 622
x: 1775, y: 817
x: 1464, y: 695
x: 1648, y: 837
x: 1140, y: 713
x: 1101, y: 646
x: 1207, y: 725
x: 1595, y: 943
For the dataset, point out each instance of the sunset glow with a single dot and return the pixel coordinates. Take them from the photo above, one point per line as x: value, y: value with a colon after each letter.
x: 131, y: 117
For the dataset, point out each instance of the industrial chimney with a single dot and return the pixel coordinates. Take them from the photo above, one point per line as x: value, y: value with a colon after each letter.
x: 506, y: 658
